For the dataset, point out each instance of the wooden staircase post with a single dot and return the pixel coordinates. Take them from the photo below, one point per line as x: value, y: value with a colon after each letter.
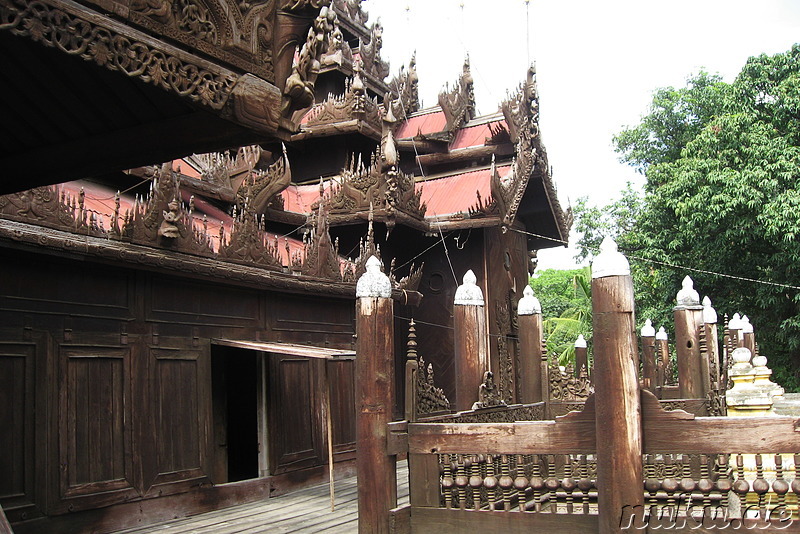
x: 688, y: 321
x: 471, y: 351
x: 377, y: 476
x: 529, y: 317
x: 618, y: 418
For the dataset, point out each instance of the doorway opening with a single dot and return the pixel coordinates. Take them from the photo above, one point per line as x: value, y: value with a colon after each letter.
x: 236, y: 376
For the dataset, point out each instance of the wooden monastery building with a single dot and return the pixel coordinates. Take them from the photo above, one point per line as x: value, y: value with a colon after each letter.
x: 192, y: 189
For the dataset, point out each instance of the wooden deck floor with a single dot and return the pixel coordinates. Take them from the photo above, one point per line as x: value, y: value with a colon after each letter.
x: 305, y: 511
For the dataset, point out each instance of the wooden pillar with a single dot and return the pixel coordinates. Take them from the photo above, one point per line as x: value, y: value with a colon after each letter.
x: 581, y: 356
x: 529, y: 319
x: 377, y: 476
x: 712, y: 359
x: 471, y: 354
x: 748, y: 335
x: 735, y: 331
x: 662, y: 355
x: 618, y: 417
x: 688, y: 319
x: 648, y: 336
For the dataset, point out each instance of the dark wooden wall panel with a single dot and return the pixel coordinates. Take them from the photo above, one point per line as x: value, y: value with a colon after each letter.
x: 95, y: 444
x: 292, y: 320
x: 17, y: 424
x: 173, y: 300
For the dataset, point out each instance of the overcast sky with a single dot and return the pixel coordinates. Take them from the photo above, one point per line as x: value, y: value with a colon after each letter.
x: 598, y: 63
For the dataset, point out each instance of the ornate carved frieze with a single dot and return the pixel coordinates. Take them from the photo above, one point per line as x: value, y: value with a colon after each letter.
x: 321, y: 257
x: 370, y: 52
x: 102, y: 41
x: 249, y: 243
x: 381, y: 185
x: 51, y: 206
x: 565, y: 386
x: 237, y: 32
x: 406, y: 88
x: 458, y: 103
x: 298, y: 92
x: 430, y: 399
x: 353, y: 104
x: 163, y: 220
x: 261, y: 190
x: 352, y: 10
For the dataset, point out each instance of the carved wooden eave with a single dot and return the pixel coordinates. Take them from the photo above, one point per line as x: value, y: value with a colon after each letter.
x: 261, y: 189
x: 521, y: 112
x: 458, y: 103
x: 391, y: 193
x: 354, y: 111
x: 221, y: 55
x: 405, y: 90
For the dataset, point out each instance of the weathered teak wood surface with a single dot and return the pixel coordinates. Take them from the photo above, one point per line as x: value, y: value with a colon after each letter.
x: 303, y: 512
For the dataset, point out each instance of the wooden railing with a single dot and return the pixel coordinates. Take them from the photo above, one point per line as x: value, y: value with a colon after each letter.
x: 543, y: 474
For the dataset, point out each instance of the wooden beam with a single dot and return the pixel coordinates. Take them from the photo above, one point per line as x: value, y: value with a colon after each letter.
x: 667, y: 432
x: 573, y: 433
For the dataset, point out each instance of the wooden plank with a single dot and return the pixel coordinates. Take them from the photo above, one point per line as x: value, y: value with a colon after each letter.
x: 438, y: 520
x: 397, y: 438
x: 400, y: 520
x: 678, y: 431
x: 573, y: 433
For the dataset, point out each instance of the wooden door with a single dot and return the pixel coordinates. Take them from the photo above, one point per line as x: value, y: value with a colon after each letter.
x: 295, y: 416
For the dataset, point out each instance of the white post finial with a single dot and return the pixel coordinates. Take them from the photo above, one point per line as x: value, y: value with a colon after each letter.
x: 747, y: 328
x: 373, y: 283
x: 528, y: 304
x: 580, y: 343
x: 661, y: 335
x: 610, y: 262
x: 709, y: 313
x: 735, y: 323
x: 647, y: 329
x: 687, y: 296
x: 468, y: 293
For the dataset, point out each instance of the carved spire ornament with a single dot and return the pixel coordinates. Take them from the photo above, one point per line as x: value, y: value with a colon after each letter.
x: 610, y: 262
x: 468, y: 293
x: 647, y: 329
x: 688, y: 296
x: 373, y: 283
x: 528, y: 304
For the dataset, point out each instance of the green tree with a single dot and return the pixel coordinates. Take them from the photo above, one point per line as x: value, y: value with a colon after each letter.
x: 566, y: 301
x: 722, y: 192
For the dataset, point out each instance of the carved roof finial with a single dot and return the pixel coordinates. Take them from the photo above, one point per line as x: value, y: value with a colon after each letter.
x: 468, y: 293
x: 373, y: 283
x: 647, y: 329
x: 411, y: 353
x: 528, y: 304
x: 709, y: 313
x: 688, y: 296
x: 610, y: 262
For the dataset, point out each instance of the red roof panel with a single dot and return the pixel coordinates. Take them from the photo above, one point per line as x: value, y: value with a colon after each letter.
x: 474, y: 135
x: 425, y: 123
x: 457, y: 193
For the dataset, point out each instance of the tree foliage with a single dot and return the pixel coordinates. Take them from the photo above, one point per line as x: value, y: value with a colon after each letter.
x: 722, y: 194
x: 565, y: 296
